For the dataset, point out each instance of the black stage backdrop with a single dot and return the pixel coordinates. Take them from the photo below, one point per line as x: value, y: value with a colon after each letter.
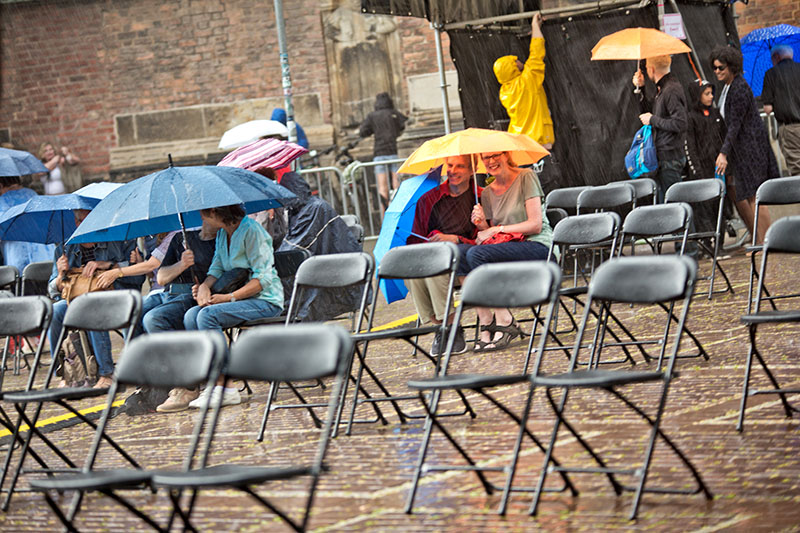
x: 594, y: 110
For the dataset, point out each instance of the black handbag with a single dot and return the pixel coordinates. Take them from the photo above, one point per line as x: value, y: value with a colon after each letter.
x: 231, y: 280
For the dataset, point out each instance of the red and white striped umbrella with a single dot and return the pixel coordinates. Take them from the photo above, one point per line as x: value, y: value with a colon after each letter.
x: 264, y: 153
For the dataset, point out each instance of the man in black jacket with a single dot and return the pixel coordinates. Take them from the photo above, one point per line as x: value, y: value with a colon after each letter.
x: 782, y: 94
x: 666, y: 113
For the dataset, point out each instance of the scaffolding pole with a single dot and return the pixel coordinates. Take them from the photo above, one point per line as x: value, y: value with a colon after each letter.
x: 286, y: 79
x: 442, y: 76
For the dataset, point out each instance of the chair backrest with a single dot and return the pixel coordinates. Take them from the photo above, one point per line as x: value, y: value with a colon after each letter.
x: 695, y: 191
x: 335, y: 270
x: 7, y: 294
x: 783, y: 236
x: 288, y: 261
x: 586, y: 229
x: 661, y: 219
x: 8, y: 277
x: 605, y: 197
x: 357, y: 230
x: 566, y: 198
x: 171, y: 359
x: 35, y: 273
x: 644, y: 187
x: 518, y: 284
x: 24, y: 314
x: 644, y: 279
x: 779, y: 191
x: 555, y: 215
x: 350, y: 219
x: 419, y: 260
x: 295, y: 353
x: 104, y: 311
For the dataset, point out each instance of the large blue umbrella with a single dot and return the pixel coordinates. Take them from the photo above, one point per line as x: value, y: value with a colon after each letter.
x: 397, y: 223
x: 43, y: 219
x: 756, y: 47
x: 172, y: 198
x: 19, y: 163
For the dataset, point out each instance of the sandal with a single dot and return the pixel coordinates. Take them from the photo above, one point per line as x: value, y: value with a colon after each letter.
x: 481, y: 346
x: 509, y: 333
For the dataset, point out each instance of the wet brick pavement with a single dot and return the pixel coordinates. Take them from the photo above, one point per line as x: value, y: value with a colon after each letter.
x: 754, y: 475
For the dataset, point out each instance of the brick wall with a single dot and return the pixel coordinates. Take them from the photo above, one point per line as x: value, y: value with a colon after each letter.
x: 761, y: 13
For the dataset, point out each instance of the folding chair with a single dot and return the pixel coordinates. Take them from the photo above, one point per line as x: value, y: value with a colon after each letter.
x: 697, y: 191
x: 35, y: 277
x: 644, y: 187
x: 325, y: 272
x: 93, y: 311
x: 605, y: 198
x: 9, y: 278
x: 274, y: 354
x: 555, y: 215
x: 777, y: 191
x: 565, y: 198
x: 405, y: 262
x: 522, y: 284
x: 171, y: 359
x: 783, y: 236
x: 626, y: 280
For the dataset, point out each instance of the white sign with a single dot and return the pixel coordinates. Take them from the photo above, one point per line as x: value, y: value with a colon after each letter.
x: 673, y: 25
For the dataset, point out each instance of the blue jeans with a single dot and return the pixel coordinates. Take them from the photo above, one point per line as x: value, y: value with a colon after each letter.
x: 386, y: 168
x: 100, y: 340
x: 221, y: 316
x: 504, y: 252
x: 167, y: 314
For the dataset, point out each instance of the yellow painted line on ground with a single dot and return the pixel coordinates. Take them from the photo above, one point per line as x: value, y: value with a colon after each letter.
x: 401, y: 321
x: 61, y: 418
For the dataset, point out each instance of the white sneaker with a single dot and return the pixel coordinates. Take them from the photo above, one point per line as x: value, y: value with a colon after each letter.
x: 229, y: 397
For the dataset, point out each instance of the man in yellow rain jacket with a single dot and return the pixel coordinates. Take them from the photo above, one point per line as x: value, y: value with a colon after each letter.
x: 522, y: 91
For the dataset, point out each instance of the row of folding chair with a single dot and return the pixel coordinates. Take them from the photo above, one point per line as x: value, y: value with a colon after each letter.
x: 623, y: 281
x: 25, y: 284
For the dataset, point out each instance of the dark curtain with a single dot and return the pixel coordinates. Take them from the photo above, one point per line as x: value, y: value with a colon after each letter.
x: 594, y: 110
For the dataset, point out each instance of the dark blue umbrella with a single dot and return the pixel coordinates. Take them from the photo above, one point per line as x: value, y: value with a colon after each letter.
x: 171, y: 199
x: 756, y: 47
x: 397, y: 223
x: 43, y: 219
x: 17, y: 163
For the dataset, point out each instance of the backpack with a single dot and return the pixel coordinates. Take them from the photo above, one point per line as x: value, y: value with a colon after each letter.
x: 78, y: 365
x: 641, y: 158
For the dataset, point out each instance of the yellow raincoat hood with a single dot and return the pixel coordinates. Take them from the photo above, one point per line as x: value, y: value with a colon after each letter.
x: 523, y: 96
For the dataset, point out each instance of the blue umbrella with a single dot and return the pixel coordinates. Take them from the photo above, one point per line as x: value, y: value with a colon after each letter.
x: 19, y: 163
x: 172, y: 198
x: 43, y: 219
x: 397, y: 223
x: 97, y: 190
x: 756, y: 47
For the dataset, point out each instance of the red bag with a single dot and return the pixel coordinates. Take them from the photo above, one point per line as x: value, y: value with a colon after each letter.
x: 503, y: 236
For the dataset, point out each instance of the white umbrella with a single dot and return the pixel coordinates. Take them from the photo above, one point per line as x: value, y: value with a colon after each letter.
x: 251, y: 131
x: 98, y: 190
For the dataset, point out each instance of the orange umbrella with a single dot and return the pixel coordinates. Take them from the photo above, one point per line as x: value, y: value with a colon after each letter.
x: 637, y: 43
x: 473, y: 141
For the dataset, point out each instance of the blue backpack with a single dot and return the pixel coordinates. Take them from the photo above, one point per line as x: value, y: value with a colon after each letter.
x: 641, y: 158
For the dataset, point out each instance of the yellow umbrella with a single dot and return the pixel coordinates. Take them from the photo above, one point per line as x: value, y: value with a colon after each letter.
x: 637, y: 43
x: 473, y: 141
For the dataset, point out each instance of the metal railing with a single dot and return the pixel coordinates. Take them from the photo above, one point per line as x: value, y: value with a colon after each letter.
x: 326, y: 188
x: 364, y: 180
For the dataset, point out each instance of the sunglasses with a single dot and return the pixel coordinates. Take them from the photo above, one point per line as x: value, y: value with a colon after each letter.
x: 719, y: 67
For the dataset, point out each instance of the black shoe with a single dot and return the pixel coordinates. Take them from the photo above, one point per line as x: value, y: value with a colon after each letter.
x: 460, y: 345
x: 436, y: 347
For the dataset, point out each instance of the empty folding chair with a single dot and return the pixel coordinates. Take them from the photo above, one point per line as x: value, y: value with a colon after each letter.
x: 413, y: 261
x: 523, y: 284
x: 274, y: 354
x: 644, y: 187
x: 696, y: 191
x: 605, y: 198
x: 565, y: 198
x: 9, y: 278
x: 334, y: 271
x: 777, y: 191
x: 170, y: 359
x: 555, y: 215
x: 94, y: 311
x: 35, y: 277
x: 625, y: 280
x: 782, y: 237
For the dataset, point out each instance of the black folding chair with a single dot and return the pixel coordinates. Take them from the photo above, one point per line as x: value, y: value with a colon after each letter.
x: 605, y: 198
x: 405, y: 262
x: 777, y: 191
x: 626, y: 280
x: 697, y: 191
x: 783, y: 237
x: 644, y: 187
x: 170, y: 359
x: 93, y: 311
x: 35, y: 277
x: 522, y: 284
x: 274, y: 354
x: 565, y: 198
x: 318, y: 273
x: 9, y: 278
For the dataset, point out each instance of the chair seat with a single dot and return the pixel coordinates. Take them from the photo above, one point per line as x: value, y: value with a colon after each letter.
x: 280, y: 319
x: 52, y: 395
x: 466, y: 381
x: 774, y: 317
x: 597, y: 378
x: 228, y: 475
x: 573, y: 291
x: 99, y: 479
x: 393, y: 333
